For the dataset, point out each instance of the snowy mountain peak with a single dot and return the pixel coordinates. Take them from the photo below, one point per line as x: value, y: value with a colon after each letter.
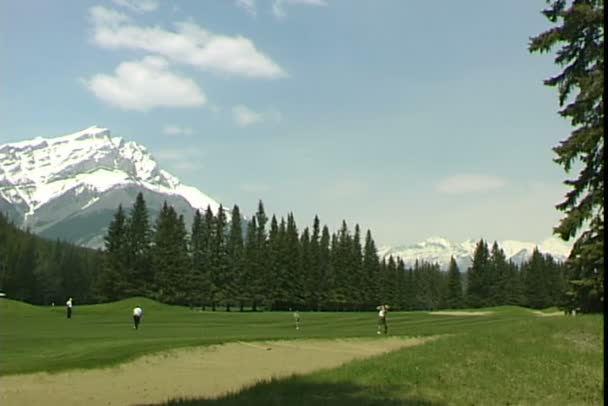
x: 86, y: 165
x: 439, y: 250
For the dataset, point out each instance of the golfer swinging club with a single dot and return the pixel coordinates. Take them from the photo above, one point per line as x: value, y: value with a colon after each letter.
x: 383, y: 310
x: 137, y: 315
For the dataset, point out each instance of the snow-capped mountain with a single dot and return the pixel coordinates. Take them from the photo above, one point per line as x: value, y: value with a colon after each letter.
x: 69, y: 187
x: 440, y: 250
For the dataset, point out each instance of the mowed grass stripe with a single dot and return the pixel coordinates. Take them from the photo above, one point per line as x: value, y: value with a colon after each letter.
x: 42, y: 339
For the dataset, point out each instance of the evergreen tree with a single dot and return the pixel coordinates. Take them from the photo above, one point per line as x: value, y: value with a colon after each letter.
x: 580, y: 33
x: 292, y: 278
x: 111, y: 283
x: 235, y: 251
x: 355, y: 270
x: 477, y: 288
x: 497, y: 283
x: 171, y: 258
x: 454, y: 296
x: 139, y: 273
x: 315, y: 274
x: 219, y: 261
x: 535, y: 286
x: 371, y: 272
x: 326, y: 278
x: 261, y: 266
x: 250, y: 280
x: 276, y: 296
x: 200, y: 283
x: 304, y: 269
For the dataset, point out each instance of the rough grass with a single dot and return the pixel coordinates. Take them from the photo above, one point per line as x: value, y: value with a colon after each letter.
x: 543, y: 361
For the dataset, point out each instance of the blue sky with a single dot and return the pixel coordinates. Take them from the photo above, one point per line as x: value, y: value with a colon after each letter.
x: 412, y: 119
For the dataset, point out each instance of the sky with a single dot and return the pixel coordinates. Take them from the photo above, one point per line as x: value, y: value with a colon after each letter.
x: 410, y: 118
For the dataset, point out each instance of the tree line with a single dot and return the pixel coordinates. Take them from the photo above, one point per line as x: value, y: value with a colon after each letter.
x: 39, y: 271
x: 269, y: 263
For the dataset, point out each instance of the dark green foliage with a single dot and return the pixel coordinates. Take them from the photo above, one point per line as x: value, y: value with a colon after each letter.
x: 139, y: 276
x: 371, y: 272
x: 170, y: 257
x: 274, y: 268
x: 478, y: 290
x: 454, y: 294
x: 235, y: 252
x: 579, y: 31
x: 39, y: 271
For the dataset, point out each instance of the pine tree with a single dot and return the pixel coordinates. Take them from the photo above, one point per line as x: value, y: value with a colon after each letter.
x: 139, y: 273
x: 219, y: 260
x: 250, y: 279
x: 260, y: 294
x: 235, y: 251
x: 371, y: 272
x: 304, y: 269
x: 454, y: 296
x: 579, y: 31
x: 276, y: 296
x: 170, y: 257
x: 200, y: 282
x: 477, y: 288
x: 535, y: 284
x: 293, y: 281
x: 355, y: 270
x: 111, y: 283
x: 326, y: 278
x: 315, y: 273
x: 497, y: 283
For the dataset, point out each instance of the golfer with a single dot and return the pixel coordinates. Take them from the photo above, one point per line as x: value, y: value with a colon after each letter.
x: 296, y: 318
x: 68, y: 308
x: 382, y: 311
x: 138, y: 313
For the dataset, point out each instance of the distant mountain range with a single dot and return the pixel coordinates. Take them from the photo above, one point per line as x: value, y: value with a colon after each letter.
x: 440, y: 250
x: 69, y: 187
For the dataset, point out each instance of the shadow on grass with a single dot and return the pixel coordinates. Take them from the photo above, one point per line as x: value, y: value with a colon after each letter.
x: 300, y: 391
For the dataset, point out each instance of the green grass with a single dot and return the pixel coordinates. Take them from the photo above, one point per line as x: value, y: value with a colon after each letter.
x: 509, y: 357
x: 35, y: 338
x: 539, y: 361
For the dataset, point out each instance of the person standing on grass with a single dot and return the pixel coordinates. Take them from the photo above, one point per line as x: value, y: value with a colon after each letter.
x: 296, y: 318
x: 68, y: 308
x: 138, y: 313
x: 382, y: 311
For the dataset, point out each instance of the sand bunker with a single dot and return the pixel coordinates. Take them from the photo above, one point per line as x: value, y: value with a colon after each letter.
x: 200, y: 372
x: 461, y: 313
x: 543, y: 314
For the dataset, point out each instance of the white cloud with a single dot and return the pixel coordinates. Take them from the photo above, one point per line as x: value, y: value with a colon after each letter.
x: 188, y: 44
x: 102, y: 16
x: 243, y: 116
x: 177, y: 130
x: 278, y: 7
x: 248, y: 6
x: 469, y: 183
x: 140, y: 6
x: 144, y: 85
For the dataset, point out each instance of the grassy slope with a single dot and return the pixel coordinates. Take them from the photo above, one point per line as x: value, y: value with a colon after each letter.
x: 513, y: 355
x: 35, y: 338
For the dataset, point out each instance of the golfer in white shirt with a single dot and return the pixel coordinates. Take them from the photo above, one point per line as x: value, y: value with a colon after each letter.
x: 138, y: 313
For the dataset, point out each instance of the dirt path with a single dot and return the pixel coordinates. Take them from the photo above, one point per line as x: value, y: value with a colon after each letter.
x: 201, y: 372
